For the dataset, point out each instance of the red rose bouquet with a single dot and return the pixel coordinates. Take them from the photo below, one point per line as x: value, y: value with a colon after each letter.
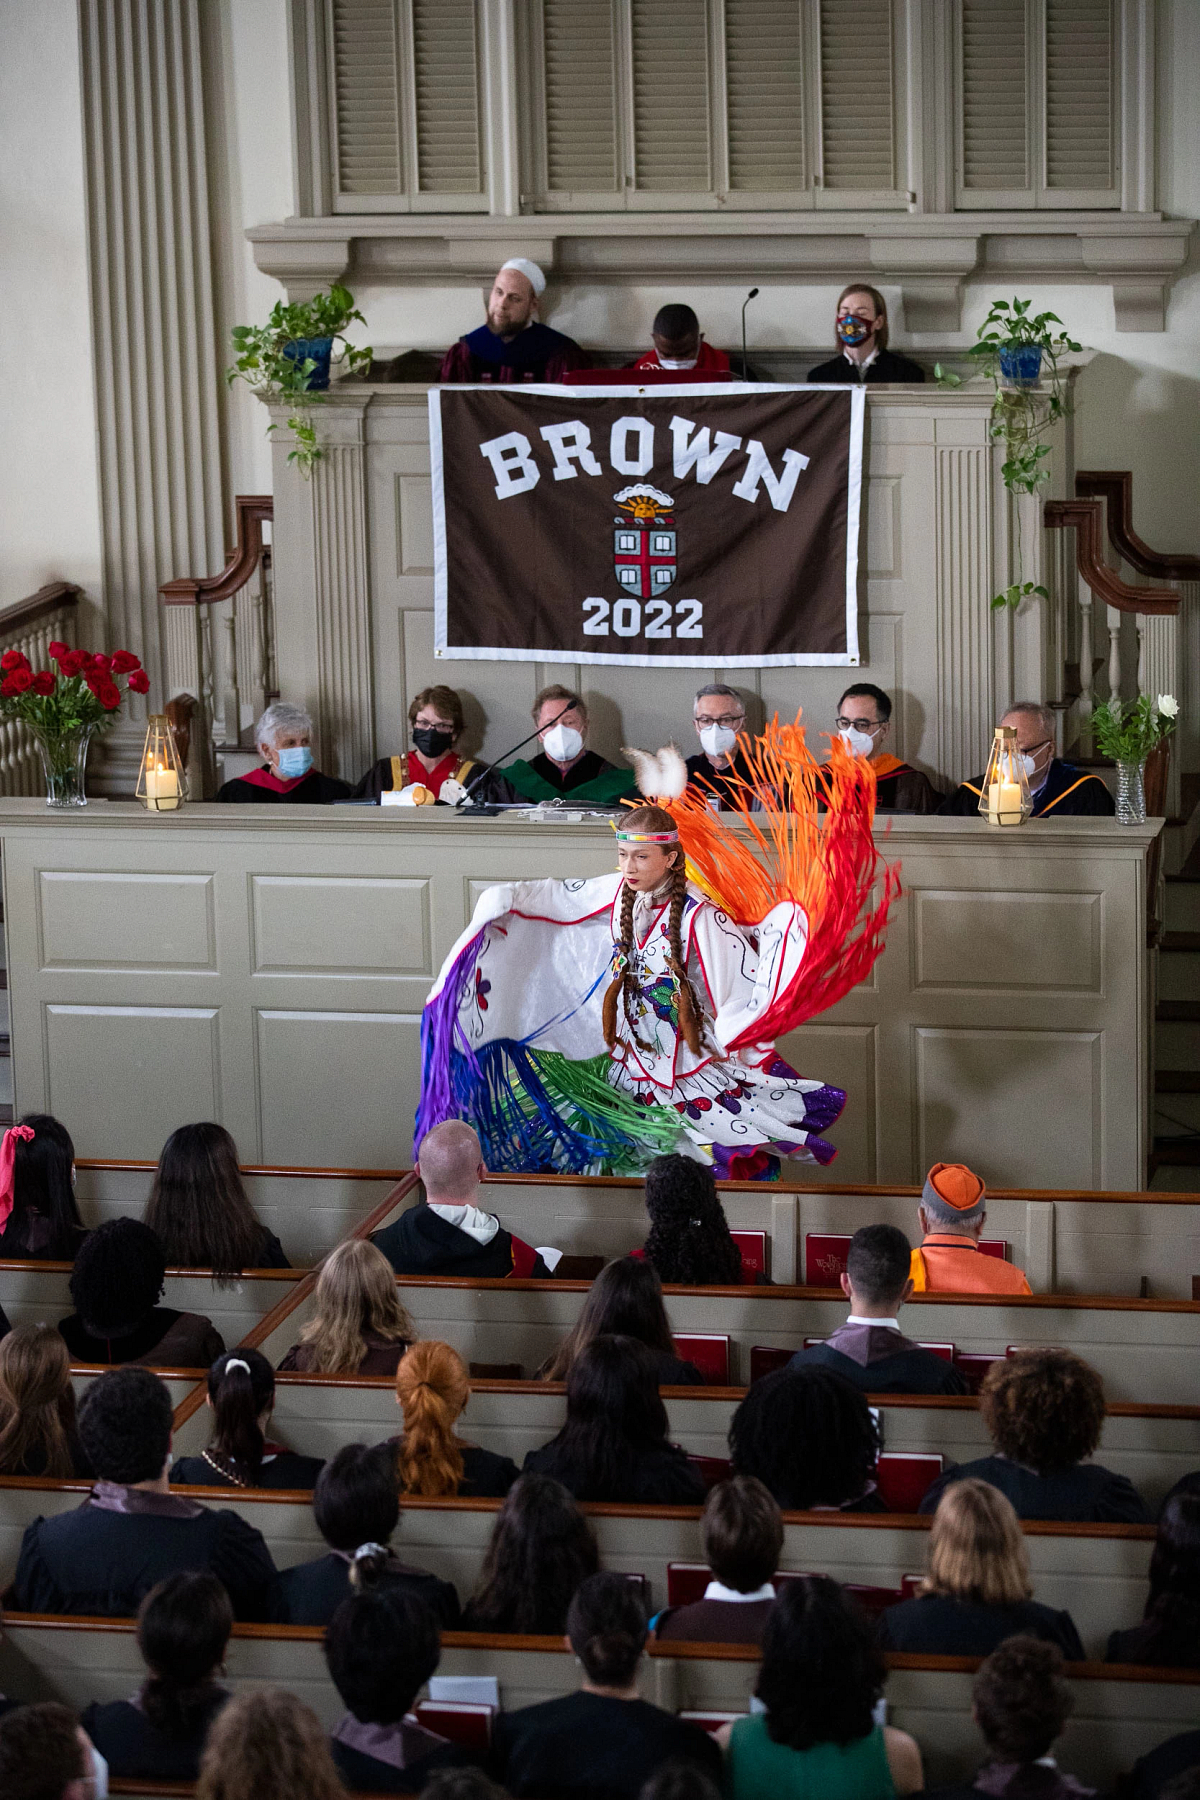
x: 63, y: 709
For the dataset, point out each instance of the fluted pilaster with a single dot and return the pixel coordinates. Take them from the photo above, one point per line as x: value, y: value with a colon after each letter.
x: 964, y: 586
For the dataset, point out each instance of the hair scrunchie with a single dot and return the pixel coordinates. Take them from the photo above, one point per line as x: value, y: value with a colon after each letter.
x: 8, y: 1151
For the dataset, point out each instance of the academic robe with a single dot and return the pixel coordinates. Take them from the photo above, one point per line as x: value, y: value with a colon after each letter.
x: 165, y: 1339
x: 390, y: 1759
x: 889, y: 365
x: 535, y: 354
x: 1066, y: 792
x: 391, y: 773
x: 947, y: 1263
x: 591, y: 781
x: 1085, y: 1494
x: 899, y: 788
x: 1151, y: 1773
x: 708, y: 358
x: 878, y: 1360
x: 310, y: 1593
x: 421, y: 1242
x: 721, y: 782
x: 263, y: 788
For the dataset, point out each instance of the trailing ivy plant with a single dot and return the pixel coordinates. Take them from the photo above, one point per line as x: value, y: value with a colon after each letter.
x: 1021, y: 416
x: 263, y: 361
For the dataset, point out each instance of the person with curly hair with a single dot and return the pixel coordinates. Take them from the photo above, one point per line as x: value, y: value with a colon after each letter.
x: 267, y: 1745
x: 360, y: 1325
x: 1169, y: 1634
x: 432, y: 1388
x: 978, y: 1590
x: 1021, y: 1703
x: 811, y: 1439
x: 241, y: 1397
x: 614, y: 1444
x: 200, y: 1210
x: 540, y: 1549
x: 1044, y: 1411
x: 116, y: 1284
x: 39, y: 1219
x: 689, y: 1242
x: 821, y: 1676
x: 38, y: 1433
x: 625, y: 1300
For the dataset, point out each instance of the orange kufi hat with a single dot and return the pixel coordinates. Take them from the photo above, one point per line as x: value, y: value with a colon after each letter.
x: 955, y: 1185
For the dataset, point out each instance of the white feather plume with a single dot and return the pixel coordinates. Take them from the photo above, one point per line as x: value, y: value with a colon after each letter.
x: 662, y: 776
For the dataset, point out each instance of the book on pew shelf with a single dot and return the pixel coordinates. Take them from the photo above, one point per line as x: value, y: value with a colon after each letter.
x: 462, y: 1722
x: 480, y: 1690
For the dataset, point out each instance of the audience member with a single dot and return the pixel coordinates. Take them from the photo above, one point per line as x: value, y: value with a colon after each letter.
x: 513, y: 345
x: 742, y: 1536
x: 432, y: 1388
x: 861, y: 333
x: 604, y: 1739
x: 1020, y: 1703
x: 811, y: 1439
x: 869, y: 1349
x: 132, y: 1531
x: 432, y: 771
x: 680, y: 1781
x: 267, y: 1745
x: 39, y: 1220
x: 1169, y: 1634
x: 382, y: 1645
x: 952, y: 1215
x: 44, y: 1755
x: 116, y: 1284
x: 821, y: 1676
x: 446, y: 1233
x: 689, y: 1241
x: 283, y: 736
x: 1169, y: 1772
x: 241, y: 1397
x: 1044, y: 1411
x: 199, y: 1210
x: 614, y: 1443
x: 978, y: 1591
x: 540, y: 1549
x: 679, y: 342
x: 719, y: 715
x: 625, y: 1300
x: 564, y: 768
x: 864, y: 721
x: 359, y: 1324
x: 183, y: 1627
x: 357, y: 1508
x: 38, y: 1434
x: 1055, y: 786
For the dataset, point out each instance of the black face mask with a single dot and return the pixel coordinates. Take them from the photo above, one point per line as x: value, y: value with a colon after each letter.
x: 432, y: 742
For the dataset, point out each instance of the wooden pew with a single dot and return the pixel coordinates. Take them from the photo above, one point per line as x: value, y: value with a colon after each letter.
x: 39, y: 1291
x: 1120, y: 1712
x: 1098, y: 1572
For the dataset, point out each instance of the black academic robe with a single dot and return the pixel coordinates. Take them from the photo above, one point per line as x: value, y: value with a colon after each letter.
x: 592, y: 781
x: 1085, y: 1494
x: 313, y: 789
x: 280, y: 1469
x: 136, y: 1750
x: 487, y: 1475
x: 421, y: 1242
x: 310, y: 1593
x: 939, y: 1625
x: 592, y: 1745
x: 889, y: 365
x: 381, y: 777
x: 408, y: 1756
x: 165, y: 1339
x: 906, y: 790
x: 722, y: 782
x: 880, y: 1361
x: 1151, y: 1773
x: 659, y: 1477
x: 536, y: 354
x: 1091, y: 799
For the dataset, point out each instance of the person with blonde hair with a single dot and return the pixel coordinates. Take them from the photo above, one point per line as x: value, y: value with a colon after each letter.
x: 360, y: 1325
x: 267, y: 1745
x: 37, y: 1406
x: 432, y: 1388
x: 978, y: 1591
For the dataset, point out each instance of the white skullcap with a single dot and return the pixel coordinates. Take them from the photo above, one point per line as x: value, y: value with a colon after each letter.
x: 529, y: 270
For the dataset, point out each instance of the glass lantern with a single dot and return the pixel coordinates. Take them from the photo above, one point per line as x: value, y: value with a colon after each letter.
x: 1005, y: 798
x: 162, y: 783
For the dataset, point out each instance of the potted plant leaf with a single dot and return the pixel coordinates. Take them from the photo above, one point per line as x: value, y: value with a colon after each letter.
x: 288, y: 360
x: 1019, y: 353
x: 1128, y: 733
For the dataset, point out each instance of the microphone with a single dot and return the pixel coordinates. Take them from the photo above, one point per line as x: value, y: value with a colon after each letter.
x: 745, y: 303
x: 572, y: 703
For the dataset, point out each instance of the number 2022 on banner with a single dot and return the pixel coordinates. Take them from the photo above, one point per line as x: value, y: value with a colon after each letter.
x: 625, y: 618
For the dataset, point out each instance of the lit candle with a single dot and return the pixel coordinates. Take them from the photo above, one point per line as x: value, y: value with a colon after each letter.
x: 1004, y: 803
x: 162, y: 790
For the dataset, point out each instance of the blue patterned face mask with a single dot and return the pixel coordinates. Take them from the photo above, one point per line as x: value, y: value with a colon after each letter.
x: 295, y: 760
x: 853, y: 330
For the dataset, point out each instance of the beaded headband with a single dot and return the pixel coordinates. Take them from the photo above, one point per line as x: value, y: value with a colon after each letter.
x: 646, y: 837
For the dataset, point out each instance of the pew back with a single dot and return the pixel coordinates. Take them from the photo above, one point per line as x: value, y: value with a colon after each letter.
x: 39, y: 1291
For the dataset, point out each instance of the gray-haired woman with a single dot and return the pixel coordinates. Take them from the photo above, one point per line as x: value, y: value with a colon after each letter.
x: 284, y: 736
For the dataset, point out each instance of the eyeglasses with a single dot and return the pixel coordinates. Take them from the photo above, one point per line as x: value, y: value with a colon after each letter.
x: 731, y: 721
x: 844, y: 724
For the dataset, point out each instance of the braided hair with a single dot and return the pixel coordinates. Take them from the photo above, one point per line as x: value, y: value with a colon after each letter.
x: 624, y: 982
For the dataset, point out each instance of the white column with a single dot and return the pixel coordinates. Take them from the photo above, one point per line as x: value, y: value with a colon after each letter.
x: 965, y: 582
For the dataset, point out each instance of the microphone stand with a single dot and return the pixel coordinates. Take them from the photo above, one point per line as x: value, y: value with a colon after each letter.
x: 745, y: 303
x: 536, y: 732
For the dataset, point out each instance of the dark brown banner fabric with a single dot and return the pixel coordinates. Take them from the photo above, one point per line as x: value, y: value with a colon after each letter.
x: 698, y: 526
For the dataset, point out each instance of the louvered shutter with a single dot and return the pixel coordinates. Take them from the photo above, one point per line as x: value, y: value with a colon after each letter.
x: 857, y: 117
x: 579, y: 98
x: 764, y: 87
x: 672, y: 151
x: 365, y: 97
x: 445, y: 79
x: 1080, y: 161
x: 994, y: 123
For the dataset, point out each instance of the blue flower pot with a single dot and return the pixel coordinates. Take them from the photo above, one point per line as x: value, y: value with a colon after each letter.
x: 320, y: 349
x: 1021, y: 367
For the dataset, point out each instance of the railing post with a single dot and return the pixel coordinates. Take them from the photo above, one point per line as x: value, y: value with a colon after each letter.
x: 1085, y: 703
x: 231, y: 700
x: 1114, y: 654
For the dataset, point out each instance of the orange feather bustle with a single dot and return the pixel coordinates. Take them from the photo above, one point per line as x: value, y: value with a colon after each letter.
x: 826, y: 862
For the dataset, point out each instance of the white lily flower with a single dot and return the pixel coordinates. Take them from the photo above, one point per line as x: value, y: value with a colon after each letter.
x: 1168, y: 705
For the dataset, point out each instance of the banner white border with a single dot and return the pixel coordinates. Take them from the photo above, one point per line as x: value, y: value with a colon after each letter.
x: 671, y: 391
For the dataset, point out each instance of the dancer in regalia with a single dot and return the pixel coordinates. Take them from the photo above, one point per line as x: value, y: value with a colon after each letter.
x: 588, y: 1026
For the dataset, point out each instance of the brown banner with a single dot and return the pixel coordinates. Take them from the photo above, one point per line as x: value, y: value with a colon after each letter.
x: 691, y: 526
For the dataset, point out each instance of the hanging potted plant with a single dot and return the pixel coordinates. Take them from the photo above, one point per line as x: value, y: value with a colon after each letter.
x: 63, y: 710
x: 1128, y: 733
x: 288, y: 361
x: 1019, y: 353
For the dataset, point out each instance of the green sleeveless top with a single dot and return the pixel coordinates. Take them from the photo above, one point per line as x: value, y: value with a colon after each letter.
x: 757, y: 1768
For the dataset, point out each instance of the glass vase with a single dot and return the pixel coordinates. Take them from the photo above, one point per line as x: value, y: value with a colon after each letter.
x: 1131, y: 793
x: 64, y: 757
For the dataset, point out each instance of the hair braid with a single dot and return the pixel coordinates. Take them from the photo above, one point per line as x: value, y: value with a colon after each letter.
x: 690, y: 1011
x: 624, y: 980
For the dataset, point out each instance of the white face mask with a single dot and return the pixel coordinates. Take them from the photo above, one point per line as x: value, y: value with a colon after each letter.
x: 1028, y: 763
x: 718, y: 740
x: 860, y: 742
x: 562, y: 744
x: 677, y: 362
